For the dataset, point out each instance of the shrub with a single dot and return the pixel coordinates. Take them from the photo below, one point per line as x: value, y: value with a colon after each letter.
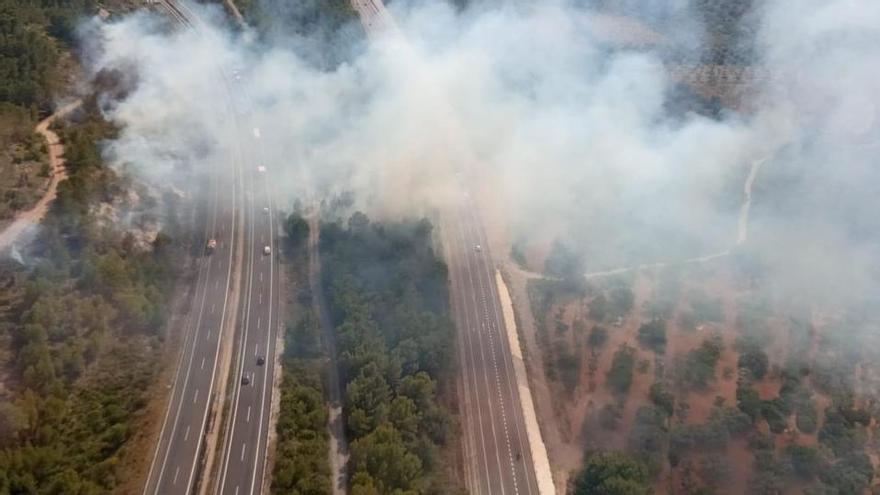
x: 620, y: 374
x: 653, y: 335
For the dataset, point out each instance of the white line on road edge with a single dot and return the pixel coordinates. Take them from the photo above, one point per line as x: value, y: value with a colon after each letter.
x: 543, y: 473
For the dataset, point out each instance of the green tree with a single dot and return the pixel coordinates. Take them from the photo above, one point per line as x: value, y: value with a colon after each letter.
x: 296, y: 229
x: 653, y: 335
x: 612, y: 473
x: 383, y: 455
x: 367, y: 397
x: 662, y: 398
x: 755, y: 360
x: 620, y: 375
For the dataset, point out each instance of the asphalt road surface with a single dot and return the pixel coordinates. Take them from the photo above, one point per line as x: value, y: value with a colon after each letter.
x: 244, y: 453
x: 243, y: 194
x: 175, y: 462
x: 497, y: 455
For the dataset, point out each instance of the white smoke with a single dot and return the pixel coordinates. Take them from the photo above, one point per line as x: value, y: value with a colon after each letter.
x: 566, y: 132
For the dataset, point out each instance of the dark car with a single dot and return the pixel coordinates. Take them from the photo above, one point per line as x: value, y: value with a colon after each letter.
x: 245, y: 380
x: 260, y: 360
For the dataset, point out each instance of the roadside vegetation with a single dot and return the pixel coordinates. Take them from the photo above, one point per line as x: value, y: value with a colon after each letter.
x: 387, y: 292
x: 82, y: 322
x: 302, y: 462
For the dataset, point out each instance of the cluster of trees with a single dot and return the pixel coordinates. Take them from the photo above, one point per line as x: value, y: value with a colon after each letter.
x: 387, y: 293
x: 696, y: 370
x: 302, y: 463
x: 620, y: 375
x: 653, y: 335
x: 32, y: 34
x: 84, y: 331
x: 612, y: 473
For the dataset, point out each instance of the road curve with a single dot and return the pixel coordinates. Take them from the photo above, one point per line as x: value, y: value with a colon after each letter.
x: 176, y: 465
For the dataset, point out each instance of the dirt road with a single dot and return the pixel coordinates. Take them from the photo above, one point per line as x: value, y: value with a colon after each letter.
x: 338, y: 442
x: 742, y: 233
x: 27, y: 219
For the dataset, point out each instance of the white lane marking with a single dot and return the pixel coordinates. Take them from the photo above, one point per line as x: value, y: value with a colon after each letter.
x: 196, y: 396
x: 186, y: 435
x: 248, y: 419
x: 242, y: 450
x: 258, y: 322
x: 261, y: 298
x: 213, y: 307
x: 208, y: 335
x: 203, y: 363
x: 466, y: 264
x: 261, y: 276
x: 176, y: 472
x: 229, y: 263
x: 256, y: 349
x: 236, y: 489
x: 217, y: 284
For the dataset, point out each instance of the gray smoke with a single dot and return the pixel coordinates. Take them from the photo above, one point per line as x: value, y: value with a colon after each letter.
x: 550, y: 121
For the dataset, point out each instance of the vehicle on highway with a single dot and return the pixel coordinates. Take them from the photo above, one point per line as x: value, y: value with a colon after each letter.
x: 211, y: 246
x: 267, y: 250
x: 261, y: 169
x: 265, y: 209
x: 478, y: 248
x: 261, y: 360
x: 245, y: 380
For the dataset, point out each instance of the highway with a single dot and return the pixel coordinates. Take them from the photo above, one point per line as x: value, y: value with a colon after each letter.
x: 241, y: 210
x: 244, y: 453
x: 497, y: 453
x: 176, y: 459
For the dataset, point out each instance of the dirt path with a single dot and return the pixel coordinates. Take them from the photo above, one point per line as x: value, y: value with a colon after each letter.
x: 338, y: 443
x: 27, y: 219
x: 742, y: 233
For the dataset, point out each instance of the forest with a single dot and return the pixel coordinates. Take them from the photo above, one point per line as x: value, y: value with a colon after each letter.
x: 82, y: 321
x: 388, y: 298
x: 301, y: 454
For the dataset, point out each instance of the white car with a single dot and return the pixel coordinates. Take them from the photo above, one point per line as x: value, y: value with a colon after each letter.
x: 478, y: 248
x: 267, y: 250
x: 261, y: 169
